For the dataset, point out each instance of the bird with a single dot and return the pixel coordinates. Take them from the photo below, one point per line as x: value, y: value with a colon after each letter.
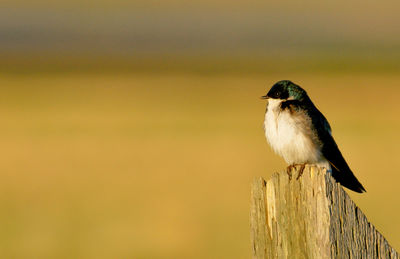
x: 297, y: 131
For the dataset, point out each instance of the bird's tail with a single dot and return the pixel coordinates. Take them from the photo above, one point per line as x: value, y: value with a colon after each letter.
x: 348, y: 180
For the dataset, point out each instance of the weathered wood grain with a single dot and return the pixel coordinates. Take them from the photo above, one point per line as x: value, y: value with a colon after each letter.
x: 310, y: 217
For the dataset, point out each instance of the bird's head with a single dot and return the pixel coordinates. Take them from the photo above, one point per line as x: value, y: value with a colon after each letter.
x: 286, y: 90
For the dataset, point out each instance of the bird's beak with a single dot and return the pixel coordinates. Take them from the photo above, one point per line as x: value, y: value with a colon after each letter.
x: 264, y: 97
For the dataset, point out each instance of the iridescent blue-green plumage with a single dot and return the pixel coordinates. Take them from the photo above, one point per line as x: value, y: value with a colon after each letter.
x: 294, y: 99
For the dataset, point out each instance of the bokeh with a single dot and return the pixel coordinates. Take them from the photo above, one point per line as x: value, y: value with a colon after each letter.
x: 133, y: 129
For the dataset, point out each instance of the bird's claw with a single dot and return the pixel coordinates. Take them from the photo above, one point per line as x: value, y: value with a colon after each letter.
x: 290, y: 168
x: 289, y: 171
x: 302, y: 166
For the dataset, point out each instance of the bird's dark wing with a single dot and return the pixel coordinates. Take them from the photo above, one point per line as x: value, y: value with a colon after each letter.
x: 340, y: 170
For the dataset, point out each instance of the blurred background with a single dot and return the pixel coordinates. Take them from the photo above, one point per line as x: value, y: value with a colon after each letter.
x: 133, y: 129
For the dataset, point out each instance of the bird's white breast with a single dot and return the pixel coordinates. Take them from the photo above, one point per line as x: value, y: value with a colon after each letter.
x: 290, y: 136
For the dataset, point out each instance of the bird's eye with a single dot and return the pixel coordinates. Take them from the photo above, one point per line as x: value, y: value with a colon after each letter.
x: 276, y: 94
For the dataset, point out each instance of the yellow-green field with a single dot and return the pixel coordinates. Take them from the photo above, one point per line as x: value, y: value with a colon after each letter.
x: 159, y: 166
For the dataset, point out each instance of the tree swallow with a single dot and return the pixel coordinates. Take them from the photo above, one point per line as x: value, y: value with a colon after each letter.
x: 298, y: 132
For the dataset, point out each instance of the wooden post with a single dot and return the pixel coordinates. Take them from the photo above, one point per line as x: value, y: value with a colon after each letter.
x: 310, y: 217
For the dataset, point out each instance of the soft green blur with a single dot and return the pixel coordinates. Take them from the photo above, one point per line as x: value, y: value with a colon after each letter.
x: 134, y: 130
